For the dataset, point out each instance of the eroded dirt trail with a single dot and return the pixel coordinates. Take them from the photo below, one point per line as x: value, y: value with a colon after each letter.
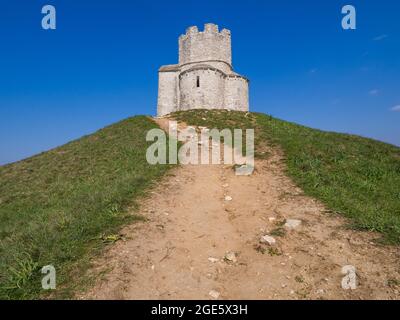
x: 179, y: 252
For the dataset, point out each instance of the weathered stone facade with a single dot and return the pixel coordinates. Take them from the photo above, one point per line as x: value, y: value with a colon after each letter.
x: 204, y: 77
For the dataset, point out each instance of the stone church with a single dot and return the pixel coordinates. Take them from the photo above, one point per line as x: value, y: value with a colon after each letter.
x: 204, y: 77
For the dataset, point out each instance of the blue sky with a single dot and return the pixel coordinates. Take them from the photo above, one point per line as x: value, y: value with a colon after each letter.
x: 100, y: 64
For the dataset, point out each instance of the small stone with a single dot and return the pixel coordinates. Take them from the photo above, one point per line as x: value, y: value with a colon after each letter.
x: 214, y: 294
x: 271, y: 219
x: 292, y: 223
x: 291, y: 291
x: 230, y: 256
x: 320, y: 291
x: 225, y: 185
x: 213, y: 260
x: 203, y: 119
x: 228, y: 198
x: 284, y: 285
x: 152, y: 267
x: 268, y: 239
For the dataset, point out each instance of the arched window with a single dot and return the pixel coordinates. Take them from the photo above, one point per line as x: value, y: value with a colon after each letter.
x: 198, y: 82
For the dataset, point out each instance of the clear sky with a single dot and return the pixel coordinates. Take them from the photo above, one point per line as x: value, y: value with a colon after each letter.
x: 100, y: 64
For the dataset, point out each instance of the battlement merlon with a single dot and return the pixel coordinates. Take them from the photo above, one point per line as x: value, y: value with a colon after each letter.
x: 208, y: 28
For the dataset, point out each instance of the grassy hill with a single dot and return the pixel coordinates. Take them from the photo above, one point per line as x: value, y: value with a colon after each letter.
x: 61, y: 207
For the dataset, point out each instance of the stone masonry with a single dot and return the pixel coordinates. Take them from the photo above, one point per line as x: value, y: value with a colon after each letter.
x: 204, y: 77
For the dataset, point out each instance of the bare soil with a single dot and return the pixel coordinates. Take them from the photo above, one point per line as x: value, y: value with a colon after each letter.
x: 178, y: 253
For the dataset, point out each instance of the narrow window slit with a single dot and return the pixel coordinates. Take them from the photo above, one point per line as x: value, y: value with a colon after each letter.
x: 198, y: 82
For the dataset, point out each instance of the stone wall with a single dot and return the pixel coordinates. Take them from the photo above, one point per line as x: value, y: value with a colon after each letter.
x: 201, y: 88
x: 236, y: 93
x: 167, y: 92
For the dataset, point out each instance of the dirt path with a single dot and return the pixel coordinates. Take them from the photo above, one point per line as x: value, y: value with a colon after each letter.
x: 191, y: 224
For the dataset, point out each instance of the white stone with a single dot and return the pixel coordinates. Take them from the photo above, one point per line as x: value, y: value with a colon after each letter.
x: 228, y: 198
x: 268, y: 239
x: 213, y: 260
x: 292, y: 223
x: 230, y: 256
x: 214, y: 294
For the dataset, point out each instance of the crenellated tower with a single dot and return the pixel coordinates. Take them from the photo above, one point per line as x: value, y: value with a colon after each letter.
x: 208, y: 45
x: 204, y: 77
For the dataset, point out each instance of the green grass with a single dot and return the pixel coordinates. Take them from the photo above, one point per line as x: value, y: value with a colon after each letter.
x: 354, y: 176
x: 63, y: 206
